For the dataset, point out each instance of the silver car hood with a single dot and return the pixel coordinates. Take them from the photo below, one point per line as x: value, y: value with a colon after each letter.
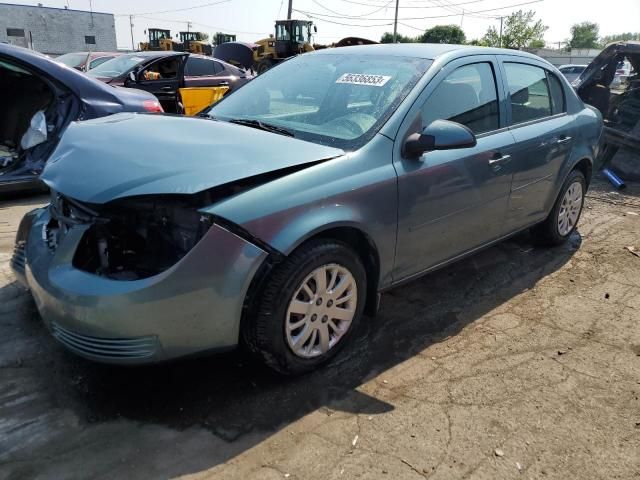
x: 131, y: 154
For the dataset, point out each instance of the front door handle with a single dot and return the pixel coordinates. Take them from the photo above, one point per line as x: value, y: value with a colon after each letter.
x: 167, y: 88
x: 563, y: 139
x: 498, y: 159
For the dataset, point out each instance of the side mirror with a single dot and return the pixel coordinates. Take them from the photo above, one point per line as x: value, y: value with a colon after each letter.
x: 132, y: 77
x: 438, y: 135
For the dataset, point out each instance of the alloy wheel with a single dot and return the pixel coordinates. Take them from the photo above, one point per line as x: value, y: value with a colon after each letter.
x: 321, y: 310
x: 570, y: 208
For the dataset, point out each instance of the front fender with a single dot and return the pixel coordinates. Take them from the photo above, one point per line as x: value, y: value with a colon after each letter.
x: 358, y: 190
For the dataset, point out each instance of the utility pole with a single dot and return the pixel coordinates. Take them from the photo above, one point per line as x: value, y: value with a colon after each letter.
x: 395, y: 24
x: 290, y: 10
x: 188, y: 26
x: 133, y: 47
x: 500, y: 41
x: 462, y: 18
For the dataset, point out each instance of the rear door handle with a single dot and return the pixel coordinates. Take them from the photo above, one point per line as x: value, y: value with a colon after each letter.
x: 563, y: 139
x: 497, y: 160
x: 167, y: 88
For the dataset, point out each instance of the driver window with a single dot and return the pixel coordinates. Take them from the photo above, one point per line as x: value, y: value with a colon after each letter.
x: 467, y: 96
x: 163, y: 70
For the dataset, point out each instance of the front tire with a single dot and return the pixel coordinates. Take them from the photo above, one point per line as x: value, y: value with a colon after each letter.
x: 563, y: 219
x: 309, y: 308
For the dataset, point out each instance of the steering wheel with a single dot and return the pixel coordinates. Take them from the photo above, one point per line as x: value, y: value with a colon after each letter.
x: 348, y: 124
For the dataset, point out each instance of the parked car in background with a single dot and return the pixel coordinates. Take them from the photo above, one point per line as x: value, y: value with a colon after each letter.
x: 620, y: 108
x: 167, y: 74
x: 85, y: 61
x: 40, y: 99
x: 277, y: 219
x: 571, y: 72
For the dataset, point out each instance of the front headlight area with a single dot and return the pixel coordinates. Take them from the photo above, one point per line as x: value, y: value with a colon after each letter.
x: 136, y: 238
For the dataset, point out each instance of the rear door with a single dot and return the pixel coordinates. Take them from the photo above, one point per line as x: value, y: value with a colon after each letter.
x: 163, y: 78
x: 543, y: 133
x: 453, y: 201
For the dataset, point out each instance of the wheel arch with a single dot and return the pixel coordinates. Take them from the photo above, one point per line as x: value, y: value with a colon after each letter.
x: 347, y: 232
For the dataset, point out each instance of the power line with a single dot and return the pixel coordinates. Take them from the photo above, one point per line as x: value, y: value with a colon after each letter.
x: 316, y: 14
x: 410, y: 7
x: 210, y: 4
x: 354, y: 16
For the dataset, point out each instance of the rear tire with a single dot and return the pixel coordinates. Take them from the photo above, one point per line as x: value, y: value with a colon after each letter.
x: 305, y: 294
x: 564, y: 217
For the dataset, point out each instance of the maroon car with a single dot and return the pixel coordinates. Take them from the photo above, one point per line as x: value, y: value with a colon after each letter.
x: 85, y: 61
x: 163, y: 73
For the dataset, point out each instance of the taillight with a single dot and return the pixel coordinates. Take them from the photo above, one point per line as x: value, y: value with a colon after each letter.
x: 621, y: 72
x: 152, y: 106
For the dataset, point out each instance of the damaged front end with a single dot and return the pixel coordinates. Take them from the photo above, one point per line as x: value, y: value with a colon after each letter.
x: 615, y: 92
x: 133, y: 238
x: 137, y: 280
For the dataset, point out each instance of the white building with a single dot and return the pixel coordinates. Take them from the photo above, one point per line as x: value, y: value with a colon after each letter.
x: 56, y: 31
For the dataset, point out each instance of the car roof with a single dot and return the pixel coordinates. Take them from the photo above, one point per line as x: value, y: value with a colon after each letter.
x: 82, y: 85
x: 572, y: 65
x: 156, y: 54
x: 429, y: 51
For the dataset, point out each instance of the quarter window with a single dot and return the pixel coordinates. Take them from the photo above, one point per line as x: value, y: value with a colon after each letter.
x: 529, y: 92
x: 467, y: 96
x: 557, y: 94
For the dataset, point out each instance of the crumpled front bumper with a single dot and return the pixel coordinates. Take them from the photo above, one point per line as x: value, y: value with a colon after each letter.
x: 194, y: 306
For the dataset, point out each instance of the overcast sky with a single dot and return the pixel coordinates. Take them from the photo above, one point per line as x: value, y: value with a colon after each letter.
x: 253, y: 19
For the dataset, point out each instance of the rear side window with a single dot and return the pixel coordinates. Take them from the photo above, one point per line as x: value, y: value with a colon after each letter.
x: 529, y: 92
x: 467, y: 96
x: 199, y: 67
x: 557, y: 94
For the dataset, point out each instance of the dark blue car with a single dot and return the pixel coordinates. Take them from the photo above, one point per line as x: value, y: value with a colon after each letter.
x: 40, y: 98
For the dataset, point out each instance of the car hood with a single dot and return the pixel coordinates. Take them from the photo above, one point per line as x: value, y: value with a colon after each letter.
x: 127, y: 154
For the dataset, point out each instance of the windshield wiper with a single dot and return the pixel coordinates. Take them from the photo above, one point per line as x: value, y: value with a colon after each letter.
x: 262, y: 126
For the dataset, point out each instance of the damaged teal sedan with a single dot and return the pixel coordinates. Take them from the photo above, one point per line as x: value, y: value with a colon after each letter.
x: 278, y: 216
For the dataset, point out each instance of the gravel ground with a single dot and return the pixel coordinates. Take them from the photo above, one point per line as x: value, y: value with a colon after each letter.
x: 518, y: 362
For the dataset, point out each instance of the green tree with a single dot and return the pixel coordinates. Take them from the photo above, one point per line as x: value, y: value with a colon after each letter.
x: 387, y: 37
x: 537, y: 43
x: 444, y: 34
x: 520, y: 29
x: 202, y: 36
x: 619, y: 37
x: 491, y: 38
x: 584, y: 35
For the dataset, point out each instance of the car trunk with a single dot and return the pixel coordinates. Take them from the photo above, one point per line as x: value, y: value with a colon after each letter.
x: 35, y: 111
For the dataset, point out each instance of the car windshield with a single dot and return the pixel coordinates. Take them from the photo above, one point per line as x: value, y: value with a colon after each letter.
x: 337, y: 100
x: 116, y: 67
x: 72, y: 59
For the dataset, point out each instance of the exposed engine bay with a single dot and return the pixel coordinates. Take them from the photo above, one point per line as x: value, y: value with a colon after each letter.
x: 133, y: 239
x: 34, y: 110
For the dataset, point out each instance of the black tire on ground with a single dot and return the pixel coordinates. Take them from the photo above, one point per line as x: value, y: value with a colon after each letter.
x: 263, y: 331
x: 547, y: 233
x: 264, y: 65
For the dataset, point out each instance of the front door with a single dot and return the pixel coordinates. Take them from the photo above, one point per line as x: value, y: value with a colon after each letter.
x: 452, y: 201
x: 544, y: 137
x: 163, y: 78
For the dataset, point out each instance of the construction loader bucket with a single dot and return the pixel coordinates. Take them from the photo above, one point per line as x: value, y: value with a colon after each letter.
x: 196, y: 99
